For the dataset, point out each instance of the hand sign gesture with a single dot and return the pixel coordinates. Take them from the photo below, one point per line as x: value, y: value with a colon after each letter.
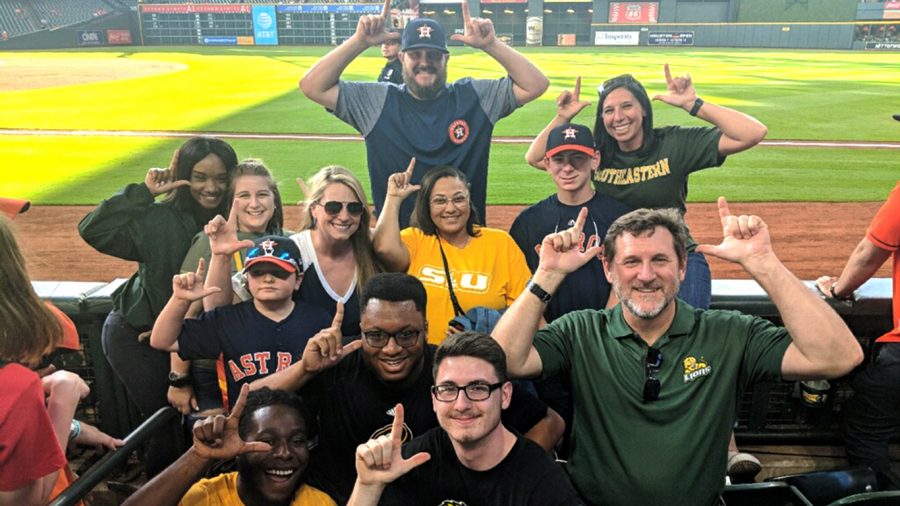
x: 681, y: 90
x: 561, y: 251
x: 217, y: 437
x: 161, y: 181
x: 744, y: 238
x: 324, y: 349
x: 568, y: 104
x: 400, y: 183
x: 379, y: 461
x: 479, y: 32
x: 189, y: 286
x: 223, y: 239
x: 373, y: 28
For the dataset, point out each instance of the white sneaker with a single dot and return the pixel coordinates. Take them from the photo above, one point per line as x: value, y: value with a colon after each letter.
x: 742, y: 466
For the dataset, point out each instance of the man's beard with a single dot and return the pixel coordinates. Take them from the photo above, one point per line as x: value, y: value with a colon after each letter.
x: 641, y: 313
x: 425, y: 92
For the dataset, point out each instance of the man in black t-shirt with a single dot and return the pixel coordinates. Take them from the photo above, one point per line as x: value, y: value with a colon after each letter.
x: 472, y: 458
x: 353, y: 388
x: 393, y: 69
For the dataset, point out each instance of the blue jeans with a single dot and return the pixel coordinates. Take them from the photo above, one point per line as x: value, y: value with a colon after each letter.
x: 696, y: 289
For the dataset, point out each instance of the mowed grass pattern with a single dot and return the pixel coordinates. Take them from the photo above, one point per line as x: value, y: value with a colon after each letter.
x: 802, y: 95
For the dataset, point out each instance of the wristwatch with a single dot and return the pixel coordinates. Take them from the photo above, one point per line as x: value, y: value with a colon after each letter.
x: 838, y: 297
x: 538, y: 291
x: 179, y: 380
x: 698, y: 103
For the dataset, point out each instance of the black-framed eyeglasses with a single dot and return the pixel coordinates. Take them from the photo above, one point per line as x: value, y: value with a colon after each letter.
x: 333, y: 207
x: 404, y: 338
x: 474, y: 391
x: 651, y: 383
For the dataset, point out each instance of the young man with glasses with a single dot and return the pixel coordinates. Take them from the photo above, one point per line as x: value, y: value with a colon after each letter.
x: 436, y: 122
x: 354, y: 387
x: 656, y: 381
x: 472, y: 458
x: 257, y: 337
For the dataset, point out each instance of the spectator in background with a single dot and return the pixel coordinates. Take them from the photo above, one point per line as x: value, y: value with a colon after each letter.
x: 463, y: 265
x: 132, y: 226
x: 194, y: 386
x: 436, y: 122
x: 270, y: 437
x: 34, y: 430
x: 872, y: 416
x: 393, y: 69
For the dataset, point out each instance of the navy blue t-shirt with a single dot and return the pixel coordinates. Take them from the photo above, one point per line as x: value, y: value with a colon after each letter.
x: 453, y: 129
x: 586, y: 288
x: 252, y: 345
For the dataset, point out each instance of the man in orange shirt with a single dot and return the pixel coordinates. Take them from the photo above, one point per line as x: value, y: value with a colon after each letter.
x: 873, y: 414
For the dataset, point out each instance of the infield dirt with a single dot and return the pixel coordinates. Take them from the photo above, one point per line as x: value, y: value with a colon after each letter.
x: 810, y: 238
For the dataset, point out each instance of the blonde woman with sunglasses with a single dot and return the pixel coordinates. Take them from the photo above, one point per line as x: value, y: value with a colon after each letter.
x: 336, y: 244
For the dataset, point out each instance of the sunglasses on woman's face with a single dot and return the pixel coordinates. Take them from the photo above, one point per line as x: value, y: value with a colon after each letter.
x: 333, y: 207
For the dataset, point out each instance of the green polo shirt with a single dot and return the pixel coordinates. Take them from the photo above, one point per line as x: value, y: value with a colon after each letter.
x: 672, y: 450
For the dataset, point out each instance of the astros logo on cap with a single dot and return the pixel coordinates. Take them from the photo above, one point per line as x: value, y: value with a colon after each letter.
x: 268, y: 246
x: 424, y: 32
x: 569, y: 133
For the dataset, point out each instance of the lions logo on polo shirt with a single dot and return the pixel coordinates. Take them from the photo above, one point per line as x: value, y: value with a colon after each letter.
x: 458, y: 131
x: 695, y: 368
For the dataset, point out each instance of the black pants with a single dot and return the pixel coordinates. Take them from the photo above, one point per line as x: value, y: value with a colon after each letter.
x: 144, y: 372
x: 872, y: 415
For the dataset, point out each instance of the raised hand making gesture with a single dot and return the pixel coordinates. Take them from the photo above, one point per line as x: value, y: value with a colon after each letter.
x: 325, y: 349
x: 161, y: 181
x: 400, y: 183
x: 744, y: 238
x: 569, y: 104
x: 222, y: 233
x: 372, y: 29
x: 217, y: 437
x: 379, y: 462
x: 189, y: 286
x: 681, y: 91
x: 479, y: 32
x: 560, y: 251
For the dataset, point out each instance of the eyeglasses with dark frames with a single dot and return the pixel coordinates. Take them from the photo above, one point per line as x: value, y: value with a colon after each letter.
x: 380, y: 338
x: 476, y: 391
x: 651, y: 384
x: 333, y: 207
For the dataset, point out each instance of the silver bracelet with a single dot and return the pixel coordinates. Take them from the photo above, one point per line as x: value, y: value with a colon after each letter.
x: 74, y: 429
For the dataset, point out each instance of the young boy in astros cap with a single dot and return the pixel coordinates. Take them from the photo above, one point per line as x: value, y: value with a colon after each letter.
x: 257, y: 337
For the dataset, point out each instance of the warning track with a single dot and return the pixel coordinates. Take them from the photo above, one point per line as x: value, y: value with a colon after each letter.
x: 356, y: 138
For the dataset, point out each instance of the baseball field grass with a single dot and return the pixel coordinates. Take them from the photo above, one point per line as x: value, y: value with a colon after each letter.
x: 800, y: 95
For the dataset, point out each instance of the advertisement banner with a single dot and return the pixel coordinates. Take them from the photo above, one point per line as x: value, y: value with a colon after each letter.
x: 90, y: 38
x: 633, y: 12
x: 265, y: 30
x: 505, y: 2
x: 191, y: 8
x: 883, y: 45
x: 617, y: 38
x: 670, y: 38
x: 244, y: 40
x: 118, y: 37
x: 219, y: 41
x: 534, y: 31
x: 325, y: 9
x: 565, y: 39
x: 891, y: 10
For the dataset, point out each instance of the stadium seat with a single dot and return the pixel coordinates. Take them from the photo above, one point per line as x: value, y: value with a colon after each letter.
x: 883, y: 498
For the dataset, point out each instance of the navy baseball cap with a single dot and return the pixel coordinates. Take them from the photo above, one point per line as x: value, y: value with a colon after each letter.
x: 423, y: 33
x: 570, y: 137
x: 275, y: 249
